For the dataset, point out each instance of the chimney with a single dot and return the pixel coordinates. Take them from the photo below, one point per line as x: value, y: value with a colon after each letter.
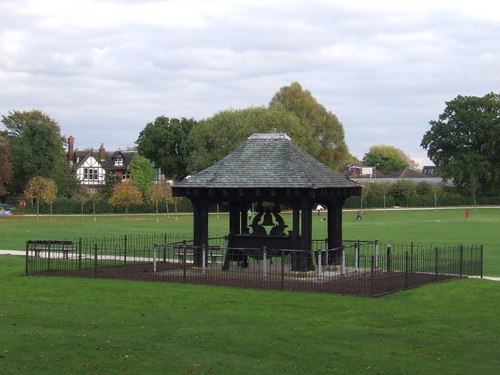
x: 71, y: 149
x: 102, y: 152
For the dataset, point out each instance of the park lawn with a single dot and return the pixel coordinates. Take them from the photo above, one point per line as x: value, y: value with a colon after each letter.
x: 395, y: 226
x: 55, y: 325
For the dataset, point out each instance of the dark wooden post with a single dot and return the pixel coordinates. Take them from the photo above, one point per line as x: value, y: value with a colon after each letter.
x: 200, y: 229
x: 234, y: 218
x: 334, y: 226
x: 304, y: 260
x: 296, y: 228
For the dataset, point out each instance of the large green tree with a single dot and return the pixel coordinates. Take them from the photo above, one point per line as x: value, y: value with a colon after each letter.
x: 38, y: 150
x: 6, y: 172
x: 387, y: 159
x: 165, y: 143
x: 215, y: 137
x: 323, y: 124
x: 142, y: 172
x: 464, y: 143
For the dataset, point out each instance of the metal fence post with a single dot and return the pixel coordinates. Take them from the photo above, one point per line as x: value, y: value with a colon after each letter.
x: 356, y: 256
x: 481, y: 260
x: 407, y: 264
x: 282, y: 270
x: 154, y: 257
x: 436, y: 257
x: 27, y: 252
x: 184, y: 256
x: 125, y: 249
x: 372, y: 273
x: 264, y: 262
x: 376, y: 253
x: 389, y: 258
x: 461, y: 262
x: 95, y: 259
x: 203, y: 258
x: 48, y: 257
x: 343, y: 269
x: 319, y: 269
x: 79, y: 253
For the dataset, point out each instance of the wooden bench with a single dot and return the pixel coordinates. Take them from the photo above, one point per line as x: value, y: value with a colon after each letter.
x: 65, y: 247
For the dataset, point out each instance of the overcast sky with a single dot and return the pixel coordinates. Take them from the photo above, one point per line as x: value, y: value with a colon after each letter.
x: 104, y: 69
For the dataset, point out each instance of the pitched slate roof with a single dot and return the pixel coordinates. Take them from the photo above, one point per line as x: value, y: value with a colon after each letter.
x: 81, y: 156
x: 268, y: 161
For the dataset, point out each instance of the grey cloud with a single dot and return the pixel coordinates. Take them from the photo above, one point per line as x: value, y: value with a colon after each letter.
x: 384, y: 73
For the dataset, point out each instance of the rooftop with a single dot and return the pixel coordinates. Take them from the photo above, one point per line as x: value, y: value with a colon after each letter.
x: 268, y: 160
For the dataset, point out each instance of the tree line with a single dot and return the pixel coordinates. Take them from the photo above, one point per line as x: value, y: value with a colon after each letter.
x: 463, y: 143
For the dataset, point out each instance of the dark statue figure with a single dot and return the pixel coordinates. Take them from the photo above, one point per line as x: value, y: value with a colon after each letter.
x: 244, y: 245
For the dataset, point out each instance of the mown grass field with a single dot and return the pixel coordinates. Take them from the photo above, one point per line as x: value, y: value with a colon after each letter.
x: 54, y: 325
x: 424, y: 226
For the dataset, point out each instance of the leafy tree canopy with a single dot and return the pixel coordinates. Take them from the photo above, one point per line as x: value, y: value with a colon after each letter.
x: 142, y: 172
x: 38, y: 150
x: 165, y: 143
x: 6, y: 172
x: 214, y: 138
x: 387, y: 159
x: 42, y: 189
x: 125, y: 194
x: 325, y: 127
x: 464, y: 143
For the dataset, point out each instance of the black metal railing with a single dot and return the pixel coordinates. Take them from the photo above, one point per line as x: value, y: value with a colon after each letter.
x: 357, y: 267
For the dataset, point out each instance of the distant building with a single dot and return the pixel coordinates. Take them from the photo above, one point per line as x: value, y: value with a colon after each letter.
x: 360, y: 171
x: 430, y: 170
x: 363, y: 175
x: 92, y: 166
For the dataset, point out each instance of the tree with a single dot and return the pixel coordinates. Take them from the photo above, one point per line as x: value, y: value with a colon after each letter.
x: 81, y: 196
x: 6, y: 172
x: 142, y: 172
x: 50, y: 193
x: 110, y: 181
x: 159, y: 192
x: 215, y: 137
x: 387, y: 159
x: 325, y: 127
x: 94, y: 197
x: 165, y: 143
x: 41, y: 189
x: 125, y: 194
x: 402, y: 191
x: 436, y: 190
x: 37, y: 150
x: 464, y: 143
x: 385, y: 188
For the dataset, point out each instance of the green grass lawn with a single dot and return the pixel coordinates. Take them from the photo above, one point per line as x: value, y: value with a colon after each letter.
x: 397, y: 226
x: 54, y: 325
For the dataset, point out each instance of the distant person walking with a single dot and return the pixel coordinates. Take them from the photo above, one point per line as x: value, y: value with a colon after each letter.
x: 467, y: 214
x: 359, y: 216
x: 319, y: 208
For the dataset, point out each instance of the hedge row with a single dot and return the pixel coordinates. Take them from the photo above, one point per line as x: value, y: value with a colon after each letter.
x: 423, y: 201
x: 68, y: 206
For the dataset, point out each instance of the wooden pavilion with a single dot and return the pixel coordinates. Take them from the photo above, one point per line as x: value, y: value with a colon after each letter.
x: 268, y: 171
